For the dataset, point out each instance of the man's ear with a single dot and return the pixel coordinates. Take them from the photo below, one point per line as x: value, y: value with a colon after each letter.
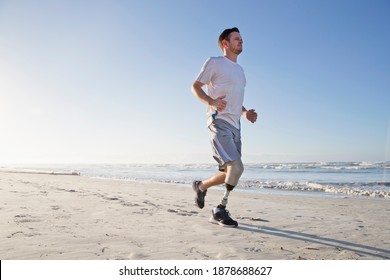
x: 224, y: 43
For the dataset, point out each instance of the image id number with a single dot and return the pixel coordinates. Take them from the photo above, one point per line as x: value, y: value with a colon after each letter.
x: 231, y: 270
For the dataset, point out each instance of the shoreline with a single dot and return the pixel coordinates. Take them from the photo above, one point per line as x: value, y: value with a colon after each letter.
x: 33, y: 171
x: 263, y: 190
x: 74, y: 217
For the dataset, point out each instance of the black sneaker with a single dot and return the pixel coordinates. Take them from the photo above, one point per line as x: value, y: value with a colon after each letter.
x: 222, y: 217
x: 199, y: 199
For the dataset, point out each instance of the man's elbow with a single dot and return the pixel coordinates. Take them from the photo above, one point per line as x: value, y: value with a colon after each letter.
x: 196, y: 86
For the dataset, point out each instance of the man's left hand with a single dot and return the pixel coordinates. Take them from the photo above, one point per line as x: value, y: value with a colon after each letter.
x: 251, y: 115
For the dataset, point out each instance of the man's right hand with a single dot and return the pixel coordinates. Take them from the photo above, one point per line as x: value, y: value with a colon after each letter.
x: 218, y: 104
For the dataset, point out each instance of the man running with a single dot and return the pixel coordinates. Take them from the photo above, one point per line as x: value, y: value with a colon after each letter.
x: 225, y: 80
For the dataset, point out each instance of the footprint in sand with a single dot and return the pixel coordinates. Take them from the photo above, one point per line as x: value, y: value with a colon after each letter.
x: 55, y: 207
x: 25, y: 219
x: 20, y: 233
x: 253, y: 250
x: 183, y: 212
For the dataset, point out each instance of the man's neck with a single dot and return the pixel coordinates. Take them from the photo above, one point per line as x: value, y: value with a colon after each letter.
x: 231, y: 56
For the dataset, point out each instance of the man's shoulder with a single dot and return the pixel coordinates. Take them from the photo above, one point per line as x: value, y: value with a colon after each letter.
x: 216, y: 58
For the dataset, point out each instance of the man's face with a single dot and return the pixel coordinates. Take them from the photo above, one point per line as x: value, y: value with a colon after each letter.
x: 235, y: 43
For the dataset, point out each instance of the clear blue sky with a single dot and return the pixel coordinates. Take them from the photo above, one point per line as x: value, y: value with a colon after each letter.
x: 109, y: 81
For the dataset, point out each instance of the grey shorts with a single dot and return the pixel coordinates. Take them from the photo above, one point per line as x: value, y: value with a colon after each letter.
x: 225, y: 142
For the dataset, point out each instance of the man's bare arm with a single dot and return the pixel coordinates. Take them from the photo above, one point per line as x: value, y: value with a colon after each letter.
x: 218, y: 104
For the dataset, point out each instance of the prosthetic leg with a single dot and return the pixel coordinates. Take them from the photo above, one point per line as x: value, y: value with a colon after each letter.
x: 220, y: 215
x: 235, y: 169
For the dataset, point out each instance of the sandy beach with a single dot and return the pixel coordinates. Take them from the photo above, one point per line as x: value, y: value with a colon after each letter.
x: 61, y: 217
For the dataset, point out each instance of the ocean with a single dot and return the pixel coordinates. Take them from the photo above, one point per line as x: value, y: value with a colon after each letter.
x: 360, y: 179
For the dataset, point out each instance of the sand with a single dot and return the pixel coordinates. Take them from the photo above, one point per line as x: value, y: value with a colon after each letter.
x: 61, y: 217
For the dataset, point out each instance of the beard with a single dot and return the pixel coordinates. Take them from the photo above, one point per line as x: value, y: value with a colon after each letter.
x: 237, y: 50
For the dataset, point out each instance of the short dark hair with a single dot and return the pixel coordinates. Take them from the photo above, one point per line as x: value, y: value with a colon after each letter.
x: 225, y: 35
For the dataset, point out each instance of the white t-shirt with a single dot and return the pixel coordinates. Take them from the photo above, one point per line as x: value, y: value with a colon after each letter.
x: 224, y: 77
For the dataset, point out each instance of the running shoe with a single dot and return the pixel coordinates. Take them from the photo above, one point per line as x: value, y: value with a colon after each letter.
x: 200, y: 195
x: 222, y: 217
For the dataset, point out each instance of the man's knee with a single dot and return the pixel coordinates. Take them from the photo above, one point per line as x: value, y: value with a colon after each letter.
x: 234, y: 172
x: 237, y: 167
